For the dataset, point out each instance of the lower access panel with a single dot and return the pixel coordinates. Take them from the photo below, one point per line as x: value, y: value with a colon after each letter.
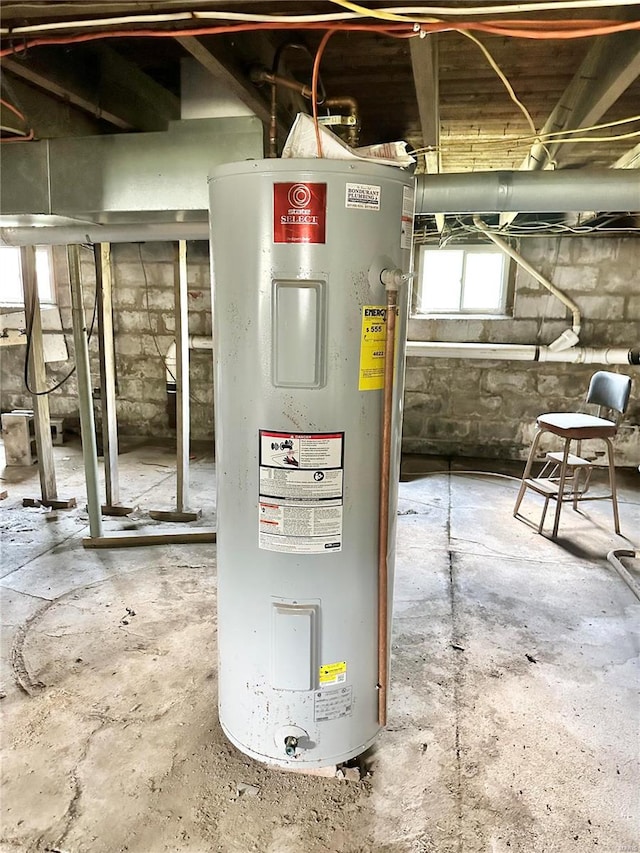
x: 293, y: 649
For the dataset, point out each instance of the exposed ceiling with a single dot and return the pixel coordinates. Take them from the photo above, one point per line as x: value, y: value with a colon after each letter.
x: 438, y: 92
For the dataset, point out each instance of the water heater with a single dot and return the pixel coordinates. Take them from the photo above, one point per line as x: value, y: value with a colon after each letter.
x: 299, y: 248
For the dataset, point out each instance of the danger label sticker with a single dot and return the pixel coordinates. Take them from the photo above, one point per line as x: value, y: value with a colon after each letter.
x: 362, y: 196
x: 333, y: 673
x: 301, y: 492
x: 299, y: 212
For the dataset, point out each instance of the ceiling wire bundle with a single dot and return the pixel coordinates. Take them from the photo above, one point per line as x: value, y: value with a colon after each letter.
x: 400, y: 22
x: 403, y: 22
x: 457, y: 229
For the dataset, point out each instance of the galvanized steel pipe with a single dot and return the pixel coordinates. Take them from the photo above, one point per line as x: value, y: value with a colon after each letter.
x: 529, y: 192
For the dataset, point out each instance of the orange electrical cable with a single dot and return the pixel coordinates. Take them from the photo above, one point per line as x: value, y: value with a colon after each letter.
x: 544, y: 29
x: 22, y: 138
x: 314, y: 87
x: 26, y: 138
x: 602, y: 29
x: 13, y: 109
x: 194, y: 31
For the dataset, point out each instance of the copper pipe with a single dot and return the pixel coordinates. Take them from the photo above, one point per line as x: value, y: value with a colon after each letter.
x: 347, y: 102
x: 383, y: 533
x: 261, y: 75
x: 273, y: 123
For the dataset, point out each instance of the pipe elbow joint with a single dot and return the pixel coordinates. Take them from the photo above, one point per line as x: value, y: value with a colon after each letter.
x: 393, y: 279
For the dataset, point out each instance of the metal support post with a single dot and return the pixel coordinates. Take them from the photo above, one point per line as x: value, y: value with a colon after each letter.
x: 85, y: 401
x: 37, y: 379
x: 182, y: 511
x: 106, y: 349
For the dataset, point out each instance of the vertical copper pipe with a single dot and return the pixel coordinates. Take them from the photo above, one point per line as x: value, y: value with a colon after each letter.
x: 273, y: 124
x: 383, y: 533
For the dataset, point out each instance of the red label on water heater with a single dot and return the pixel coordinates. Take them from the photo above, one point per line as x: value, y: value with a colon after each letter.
x: 299, y: 213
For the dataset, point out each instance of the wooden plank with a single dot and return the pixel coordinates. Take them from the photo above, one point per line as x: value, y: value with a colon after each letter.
x: 138, y: 540
x: 106, y: 351
x: 237, y: 84
x: 67, y: 93
x: 85, y: 391
x: 37, y: 376
x: 609, y: 68
x: 424, y: 61
x: 126, y: 89
x: 183, y: 414
x: 98, y: 81
x: 629, y: 160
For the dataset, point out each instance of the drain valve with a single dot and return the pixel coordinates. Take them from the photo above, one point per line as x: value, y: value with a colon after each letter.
x: 290, y: 745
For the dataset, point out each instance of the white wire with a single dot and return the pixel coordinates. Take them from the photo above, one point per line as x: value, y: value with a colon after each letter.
x: 332, y: 17
x: 549, y: 5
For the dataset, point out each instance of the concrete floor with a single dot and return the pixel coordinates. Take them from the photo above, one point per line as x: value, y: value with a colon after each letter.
x: 513, y: 722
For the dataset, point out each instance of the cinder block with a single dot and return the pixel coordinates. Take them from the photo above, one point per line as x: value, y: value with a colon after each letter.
x: 19, y: 438
x: 57, y: 430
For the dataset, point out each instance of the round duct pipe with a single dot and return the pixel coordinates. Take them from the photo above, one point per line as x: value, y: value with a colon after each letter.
x: 529, y: 192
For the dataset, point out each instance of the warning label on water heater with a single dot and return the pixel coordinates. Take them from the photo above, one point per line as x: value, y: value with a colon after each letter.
x: 300, y: 499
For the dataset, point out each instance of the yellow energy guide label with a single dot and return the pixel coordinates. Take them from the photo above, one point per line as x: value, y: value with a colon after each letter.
x: 333, y: 673
x: 372, y: 347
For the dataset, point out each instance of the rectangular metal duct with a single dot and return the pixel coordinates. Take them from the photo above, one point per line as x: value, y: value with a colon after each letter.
x: 123, y: 178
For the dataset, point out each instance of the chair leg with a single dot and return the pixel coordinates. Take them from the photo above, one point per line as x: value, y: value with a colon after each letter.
x: 612, y: 485
x: 544, y: 514
x: 563, y: 476
x: 527, y: 470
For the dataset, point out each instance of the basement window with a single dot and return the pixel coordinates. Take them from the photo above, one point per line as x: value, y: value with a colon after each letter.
x: 11, y: 289
x: 470, y: 279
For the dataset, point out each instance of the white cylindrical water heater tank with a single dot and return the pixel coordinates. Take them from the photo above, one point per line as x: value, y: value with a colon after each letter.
x: 298, y: 247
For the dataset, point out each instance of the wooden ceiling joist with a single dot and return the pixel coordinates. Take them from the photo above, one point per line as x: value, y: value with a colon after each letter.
x: 424, y: 62
x: 609, y: 68
x: 111, y: 88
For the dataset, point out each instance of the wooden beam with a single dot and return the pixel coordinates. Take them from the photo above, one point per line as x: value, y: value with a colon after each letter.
x: 137, y: 97
x: 107, y: 359
x: 183, y: 409
x: 609, y: 68
x: 37, y: 377
x: 424, y: 62
x: 426, y: 78
x: 238, y: 85
x: 99, y: 82
x: 64, y: 92
x: 143, y: 540
x: 629, y: 160
x: 225, y: 66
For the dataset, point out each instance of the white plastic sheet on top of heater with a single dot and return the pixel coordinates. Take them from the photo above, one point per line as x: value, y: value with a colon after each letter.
x: 302, y: 143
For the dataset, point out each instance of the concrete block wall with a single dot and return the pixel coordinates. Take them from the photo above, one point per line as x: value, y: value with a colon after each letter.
x: 452, y: 406
x: 144, y: 326
x: 488, y: 408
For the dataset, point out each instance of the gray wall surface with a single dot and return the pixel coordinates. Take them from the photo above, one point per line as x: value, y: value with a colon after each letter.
x: 488, y: 408
x: 144, y: 327
x: 452, y: 406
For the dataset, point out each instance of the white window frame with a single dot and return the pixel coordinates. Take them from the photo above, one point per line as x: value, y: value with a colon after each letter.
x: 500, y: 309
x: 45, y: 277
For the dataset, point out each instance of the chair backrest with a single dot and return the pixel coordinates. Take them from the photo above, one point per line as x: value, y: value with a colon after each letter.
x: 610, y: 390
